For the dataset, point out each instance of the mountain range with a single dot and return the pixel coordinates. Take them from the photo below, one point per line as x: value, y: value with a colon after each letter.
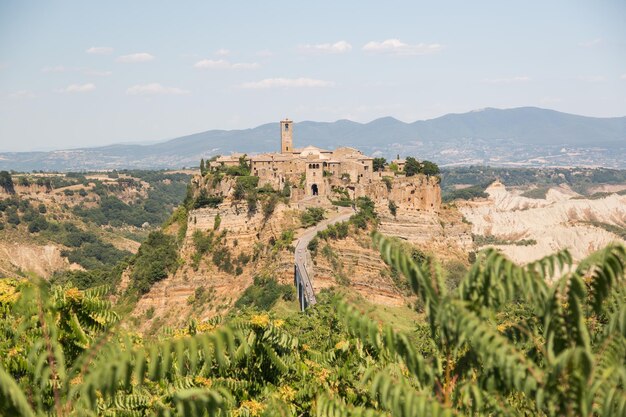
x: 525, y: 136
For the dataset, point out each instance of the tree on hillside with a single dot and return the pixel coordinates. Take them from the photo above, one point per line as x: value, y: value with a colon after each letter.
x: 6, y: 182
x: 202, y: 167
x: 379, y: 164
x: 429, y: 168
x: 411, y: 167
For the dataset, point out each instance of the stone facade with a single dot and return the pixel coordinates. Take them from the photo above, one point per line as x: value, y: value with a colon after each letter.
x: 319, y: 171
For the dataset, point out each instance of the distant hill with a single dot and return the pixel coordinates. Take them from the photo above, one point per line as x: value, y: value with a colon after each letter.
x: 527, y: 136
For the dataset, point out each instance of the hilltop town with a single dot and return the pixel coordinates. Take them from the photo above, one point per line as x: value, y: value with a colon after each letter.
x: 312, y: 172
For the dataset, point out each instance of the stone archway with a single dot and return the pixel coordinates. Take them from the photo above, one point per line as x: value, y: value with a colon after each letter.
x: 314, y: 189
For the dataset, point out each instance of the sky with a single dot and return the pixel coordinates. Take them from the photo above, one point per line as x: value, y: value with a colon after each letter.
x: 80, y: 73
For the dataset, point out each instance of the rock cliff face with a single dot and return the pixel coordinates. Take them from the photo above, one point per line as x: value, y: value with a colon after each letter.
x: 421, y: 219
x: 562, y: 220
x: 417, y: 193
x: 172, y: 300
x: 351, y: 262
x: 42, y: 260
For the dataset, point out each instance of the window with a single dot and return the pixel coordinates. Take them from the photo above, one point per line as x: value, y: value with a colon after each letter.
x: 286, y: 126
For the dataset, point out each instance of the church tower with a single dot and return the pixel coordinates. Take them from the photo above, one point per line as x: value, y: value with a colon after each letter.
x: 286, y: 138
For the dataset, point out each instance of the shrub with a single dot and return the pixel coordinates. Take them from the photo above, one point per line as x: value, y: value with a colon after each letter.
x: 6, y: 182
x: 388, y: 182
x: 248, y: 182
x: 156, y: 258
x: 269, y: 205
x: 312, y: 216
x: 378, y: 164
x: 205, y: 200
x: 264, y: 293
x: 38, y: 224
x: 96, y: 255
x: 286, y: 192
x: 251, y: 201
x: 393, y: 208
x: 12, y: 216
x: 313, y: 244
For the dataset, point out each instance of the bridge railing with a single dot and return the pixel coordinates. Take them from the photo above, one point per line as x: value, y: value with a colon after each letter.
x: 306, y: 296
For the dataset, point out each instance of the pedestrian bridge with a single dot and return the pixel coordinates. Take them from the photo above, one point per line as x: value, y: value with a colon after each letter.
x: 302, y: 281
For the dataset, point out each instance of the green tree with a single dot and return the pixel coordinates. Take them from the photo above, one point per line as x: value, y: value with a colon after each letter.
x: 379, y: 164
x: 429, y: 168
x: 393, y: 208
x: 156, y: 258
x: 202, y: 167
x: 6, y: 182
x: 411, y: 167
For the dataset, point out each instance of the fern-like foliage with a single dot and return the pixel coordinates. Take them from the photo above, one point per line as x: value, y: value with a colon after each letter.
x: 545, y: 339
x: 567, y: 357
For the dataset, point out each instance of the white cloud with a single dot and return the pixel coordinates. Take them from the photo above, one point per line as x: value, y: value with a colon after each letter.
x: 591, y: 43
x: 22, y: 94
x: 222, y: 52
x: 623, y: 77
x: 100, y: 50
x: 138, y: 57
x: 327, y: 48
x: 507, y: 80
x: 154, y: 88
x: 286, y: 83
x: 223, y: 64
x: 397, y: 47
x: 78, y: 88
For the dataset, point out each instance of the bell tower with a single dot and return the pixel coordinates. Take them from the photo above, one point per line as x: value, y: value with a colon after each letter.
x: 286, y: 136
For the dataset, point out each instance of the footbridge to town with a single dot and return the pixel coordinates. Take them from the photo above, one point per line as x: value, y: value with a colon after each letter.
x: 303, y: 264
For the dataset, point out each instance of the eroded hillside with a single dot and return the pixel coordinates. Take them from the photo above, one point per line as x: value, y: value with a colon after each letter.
x: 234, y: 236
x: 51, y: 224
x: 527, y: 229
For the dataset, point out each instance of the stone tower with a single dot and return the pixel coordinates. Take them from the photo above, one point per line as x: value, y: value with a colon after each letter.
x: 286, y: 136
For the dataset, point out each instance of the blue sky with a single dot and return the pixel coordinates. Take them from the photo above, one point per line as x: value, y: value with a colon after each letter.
x: 86, y: 73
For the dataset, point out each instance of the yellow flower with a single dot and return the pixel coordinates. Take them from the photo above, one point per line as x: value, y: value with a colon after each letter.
x: 286, y: 393
x: 77, y: 380
x: 502, y: 327
x: 323, y: 374
x: 261, y: 320
x: 279, y: 323
x: 342, y: 345
x: 254, y: 408
x: 203, y: 381
x: 73, y: 294
x: 205, y: 326
x: 8, y: 293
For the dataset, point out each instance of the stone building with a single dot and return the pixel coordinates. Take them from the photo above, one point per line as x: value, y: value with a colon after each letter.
x: 315, y: 168
x: 315, y: 172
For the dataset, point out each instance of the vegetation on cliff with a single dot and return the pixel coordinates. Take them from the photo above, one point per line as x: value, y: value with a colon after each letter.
x: 504, y: 342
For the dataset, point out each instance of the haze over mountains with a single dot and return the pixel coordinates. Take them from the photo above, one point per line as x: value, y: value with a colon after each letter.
x: 525, y: 136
